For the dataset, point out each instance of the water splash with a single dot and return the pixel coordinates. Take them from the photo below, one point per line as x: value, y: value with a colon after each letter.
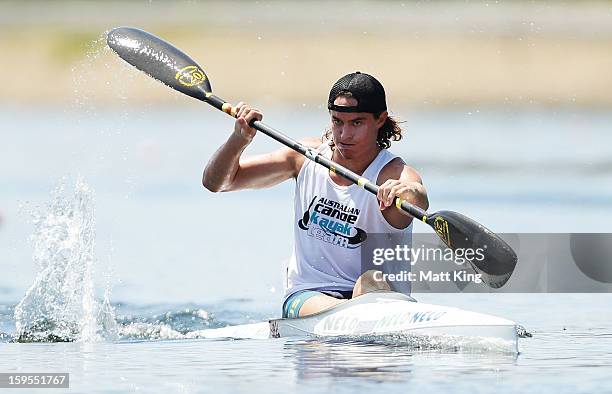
x: 169, y: 325
x: 60, y: 305
x: 180, y: 322
x: 428, y: 343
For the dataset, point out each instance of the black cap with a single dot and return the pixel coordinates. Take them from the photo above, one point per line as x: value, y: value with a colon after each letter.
x: 366, y: 89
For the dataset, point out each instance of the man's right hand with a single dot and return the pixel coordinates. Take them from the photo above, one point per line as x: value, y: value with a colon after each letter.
x: 244, y: 116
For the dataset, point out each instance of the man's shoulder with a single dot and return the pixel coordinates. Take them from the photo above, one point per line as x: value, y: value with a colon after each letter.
x: 396, y: 169
x: 312, y: 142
x: 298, y: 158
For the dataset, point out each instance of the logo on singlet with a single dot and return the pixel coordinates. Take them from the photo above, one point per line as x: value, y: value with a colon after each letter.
x: 332, y: 222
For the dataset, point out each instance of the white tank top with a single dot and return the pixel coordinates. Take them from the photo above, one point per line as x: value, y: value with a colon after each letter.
x: 330, y: 223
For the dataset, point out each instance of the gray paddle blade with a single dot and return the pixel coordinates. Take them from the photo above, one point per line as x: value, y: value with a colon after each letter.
x: 160, y: 60
x: 495, y: 261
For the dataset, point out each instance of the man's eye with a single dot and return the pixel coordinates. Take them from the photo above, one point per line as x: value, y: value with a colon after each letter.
x: 336, y: 121
x: 357, y: 123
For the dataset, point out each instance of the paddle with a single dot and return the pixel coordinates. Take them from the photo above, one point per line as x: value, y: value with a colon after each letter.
x: 174, y: 68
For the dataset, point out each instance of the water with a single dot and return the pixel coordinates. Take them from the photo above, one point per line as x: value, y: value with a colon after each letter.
x: 570, y: 352
x: 164, y: 258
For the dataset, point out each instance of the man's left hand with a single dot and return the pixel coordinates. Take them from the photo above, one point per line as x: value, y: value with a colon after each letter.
x: 413, y: 192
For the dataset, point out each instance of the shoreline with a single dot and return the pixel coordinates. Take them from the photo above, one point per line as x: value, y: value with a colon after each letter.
x: 451, y: 56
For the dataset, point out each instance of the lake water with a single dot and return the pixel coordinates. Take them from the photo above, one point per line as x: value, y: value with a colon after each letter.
x: 170, y: 258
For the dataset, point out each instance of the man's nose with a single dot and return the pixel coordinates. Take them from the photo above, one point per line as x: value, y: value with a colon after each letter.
x: 347, y: 132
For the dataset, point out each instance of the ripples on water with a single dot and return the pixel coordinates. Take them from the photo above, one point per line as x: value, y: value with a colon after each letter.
x: 553, y: 361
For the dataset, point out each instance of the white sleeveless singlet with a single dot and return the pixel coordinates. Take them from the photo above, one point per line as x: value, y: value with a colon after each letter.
x: 330, y: 224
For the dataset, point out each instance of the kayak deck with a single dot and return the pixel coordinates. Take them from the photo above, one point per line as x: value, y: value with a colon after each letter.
x: 377, y: 315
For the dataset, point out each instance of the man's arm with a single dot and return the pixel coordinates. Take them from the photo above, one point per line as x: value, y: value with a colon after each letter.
x: 226, y: 171
x: 397, y: 179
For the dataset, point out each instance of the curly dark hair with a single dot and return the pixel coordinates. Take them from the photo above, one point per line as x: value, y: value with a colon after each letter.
x: 390, y: 131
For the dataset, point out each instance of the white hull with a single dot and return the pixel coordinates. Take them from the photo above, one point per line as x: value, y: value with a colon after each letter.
x: 381, y: 314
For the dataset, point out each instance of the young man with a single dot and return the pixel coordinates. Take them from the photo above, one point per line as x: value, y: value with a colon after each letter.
x: 332, y: 216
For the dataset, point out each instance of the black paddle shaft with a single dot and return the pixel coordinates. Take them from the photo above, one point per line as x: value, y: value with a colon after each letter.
x: 168, y: 64
x: 313, y: 155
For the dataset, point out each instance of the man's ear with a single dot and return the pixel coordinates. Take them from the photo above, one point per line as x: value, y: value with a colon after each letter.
x: 382, y: 119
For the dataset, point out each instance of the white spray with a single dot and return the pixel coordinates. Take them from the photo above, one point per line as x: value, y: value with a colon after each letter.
x: 60, y: 305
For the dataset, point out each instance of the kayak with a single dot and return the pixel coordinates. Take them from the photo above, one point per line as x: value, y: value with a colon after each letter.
x: 384, y: 315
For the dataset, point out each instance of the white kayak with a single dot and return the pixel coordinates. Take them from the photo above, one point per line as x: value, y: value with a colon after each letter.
x: 382, y: 315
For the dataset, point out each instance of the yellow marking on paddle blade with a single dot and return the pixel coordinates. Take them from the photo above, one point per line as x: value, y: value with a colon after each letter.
x: 190, y: 76
x: 424, y: 219
x: 441, y: 227
x: 398, y: 203
x: 332, y: 169
x: 362, y: 181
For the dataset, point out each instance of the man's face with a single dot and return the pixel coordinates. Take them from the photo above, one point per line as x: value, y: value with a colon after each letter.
x: 354, y: 133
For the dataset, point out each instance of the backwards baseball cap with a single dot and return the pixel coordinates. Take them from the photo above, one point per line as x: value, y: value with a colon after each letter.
x: 364, y: 88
